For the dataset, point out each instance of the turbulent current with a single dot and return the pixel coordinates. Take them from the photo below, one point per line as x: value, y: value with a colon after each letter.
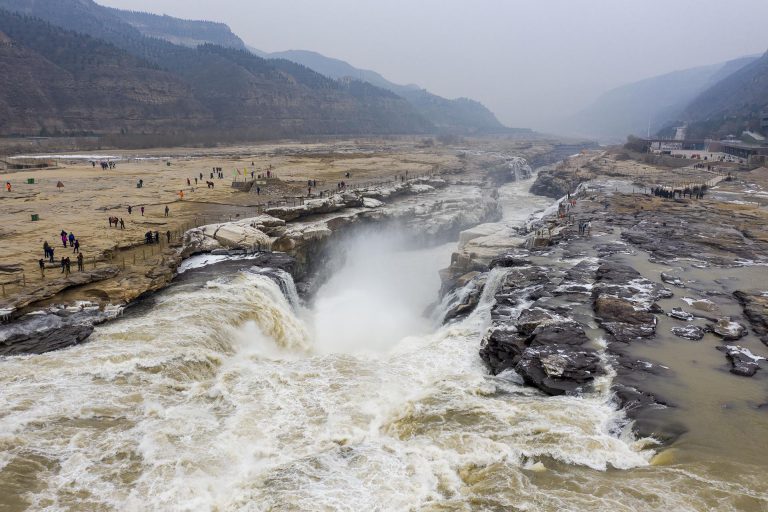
x: 225, y: 393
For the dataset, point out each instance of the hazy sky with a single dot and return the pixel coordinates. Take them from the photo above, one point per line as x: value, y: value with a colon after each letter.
x: 528, y: 60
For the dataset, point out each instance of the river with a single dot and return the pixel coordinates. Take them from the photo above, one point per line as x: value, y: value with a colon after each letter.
x: 222, y: 393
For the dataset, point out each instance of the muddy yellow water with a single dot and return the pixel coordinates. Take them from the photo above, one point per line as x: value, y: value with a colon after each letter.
x: 222, y: 395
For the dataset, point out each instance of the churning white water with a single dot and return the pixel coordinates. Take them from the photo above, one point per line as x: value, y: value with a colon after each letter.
x: 228, y: 397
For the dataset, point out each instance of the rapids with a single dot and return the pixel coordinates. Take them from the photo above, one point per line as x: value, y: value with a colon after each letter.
x: 227, y: 393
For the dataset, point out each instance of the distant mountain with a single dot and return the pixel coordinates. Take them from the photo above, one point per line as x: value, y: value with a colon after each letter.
x: 731, y: 105
x: 659, y: 100
x: 178, y: 31
x: 460, y: 115
x: 336, y: 68
x: 217, y: 90
x: 55, y: 81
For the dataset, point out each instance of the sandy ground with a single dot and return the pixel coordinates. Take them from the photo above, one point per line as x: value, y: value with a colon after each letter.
x: 91, y: 195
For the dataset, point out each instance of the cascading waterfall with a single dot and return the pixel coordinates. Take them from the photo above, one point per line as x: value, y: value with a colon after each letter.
x: 222, y: 395
x: 520, y: 168
x: 284, y: 281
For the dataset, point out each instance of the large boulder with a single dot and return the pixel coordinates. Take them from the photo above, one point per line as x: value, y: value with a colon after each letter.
x: 559, y: 333
x: 238, y: 236
x: 729, y: 330
x: 532, y: 318
x: 743, y: 362
x: 501, y: 349
x: 614, y: 309
x: 689, y: 332
x: 45, y: 340
x: 559, y: 369
x: 755, y: 306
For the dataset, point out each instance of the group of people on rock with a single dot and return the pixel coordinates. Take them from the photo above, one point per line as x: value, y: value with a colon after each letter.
x: 695, y: 192
x: 105, y: 164
x: 116, y: 222
x: 69, y: 238
x: 585, y: 227
x: 154, y: 238
x: 65, y: 262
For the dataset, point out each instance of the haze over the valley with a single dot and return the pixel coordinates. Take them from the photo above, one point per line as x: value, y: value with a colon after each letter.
x: 532, y: 63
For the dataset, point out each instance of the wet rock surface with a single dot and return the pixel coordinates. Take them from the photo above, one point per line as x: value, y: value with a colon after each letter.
x: 729, y: 330
x: 542, y: 325
x: 755, y: 307
x: 743, y: 362
x: 55, y: 328
x: 689, y: 332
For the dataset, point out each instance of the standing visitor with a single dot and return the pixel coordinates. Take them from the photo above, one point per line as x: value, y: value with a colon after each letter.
x: 77, y: 246
x: 42, y: 267
x: 129, y: 209
x: 142, y: 211
x: 122, y: 224
x: 80, y: 266
x: 168, y: 236
x: 167, y: 210
x: 71, y: 239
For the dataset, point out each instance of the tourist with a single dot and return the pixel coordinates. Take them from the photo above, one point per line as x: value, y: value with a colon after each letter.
x: 142, y: 211
x: 122, y: 224
x: 42, y: 267
x: 71, y: 239
x: 181, y: 195
x: 64, y: 238
x: 80, y: 265
x: 8, y: 186
x: 157, y: 237
x: 63, y: 264
x: 258, y: 191
x: 129, y: 209
x: 46, y: 248
x: 77, y: 246
x: 189, y: 183
x: 50, y: 253
x: 167, y: 210
x: 67, y: 266
x: 168, y: 236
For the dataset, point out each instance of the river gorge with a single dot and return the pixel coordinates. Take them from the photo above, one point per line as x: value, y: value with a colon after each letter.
x: 235, y: 388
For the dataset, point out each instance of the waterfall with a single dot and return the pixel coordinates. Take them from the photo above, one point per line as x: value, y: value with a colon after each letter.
x: 520, y: 168
x: 285, y: 281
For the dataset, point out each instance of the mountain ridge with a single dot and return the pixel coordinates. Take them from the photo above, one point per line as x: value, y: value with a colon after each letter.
x: 731, y: 105
x: 660, y: 99
x: 235, y: 91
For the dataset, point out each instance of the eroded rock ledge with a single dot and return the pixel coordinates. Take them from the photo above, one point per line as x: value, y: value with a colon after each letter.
x: 570, y: 307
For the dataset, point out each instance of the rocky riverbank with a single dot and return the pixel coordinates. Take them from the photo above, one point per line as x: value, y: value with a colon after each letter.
x: 574, y: 305
x: 426, y: 210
